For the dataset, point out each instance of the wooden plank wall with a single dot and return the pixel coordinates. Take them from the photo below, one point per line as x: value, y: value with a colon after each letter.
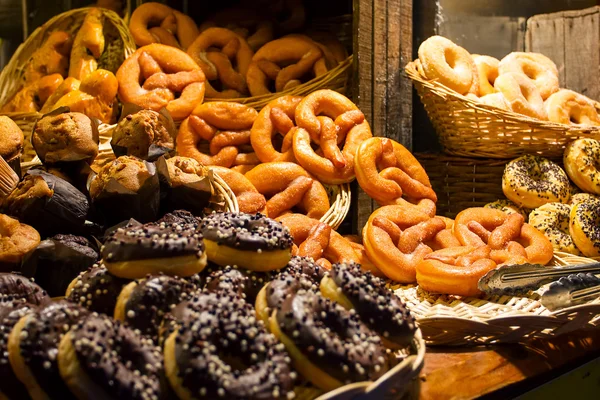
x: 572, y: 40
x: 382, y: 45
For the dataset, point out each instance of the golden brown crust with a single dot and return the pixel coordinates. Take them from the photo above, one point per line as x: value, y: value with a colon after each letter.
x: 52, y: 57
x: 11, y: 139
x: 184, y: 170
x: 65, y: 137
x: 138, y: 131
x: 130, y: 172
x: 16, y: 239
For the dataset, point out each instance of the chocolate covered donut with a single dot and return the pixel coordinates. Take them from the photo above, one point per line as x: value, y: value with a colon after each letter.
x: 100, y: 358
x: 10, y: 314
x: 253, y: 242
x: 330, y: 346
x: 197, y: 355
x: 33, y: 345
x: 96, y: 289
x: 142, y: 305
x: 237, y: 280
x: 16, y: 287
x: 378, y: 307
x: 170, y: 248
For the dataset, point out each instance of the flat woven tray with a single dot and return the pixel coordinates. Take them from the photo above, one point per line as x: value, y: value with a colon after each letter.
x: 456, y: 321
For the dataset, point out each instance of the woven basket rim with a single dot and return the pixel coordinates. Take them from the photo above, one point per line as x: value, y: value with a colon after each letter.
x: 436, y: 88
x: 340, y: 206
x: 453, y: 320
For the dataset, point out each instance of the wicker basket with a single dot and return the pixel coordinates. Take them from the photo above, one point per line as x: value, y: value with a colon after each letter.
x: 471, y: 129
x: 70, y: 21
x: 401, y: 382
x: 461, y: 183
x: 335, y: 79
x: 340, y: 197
x: 451, y: 320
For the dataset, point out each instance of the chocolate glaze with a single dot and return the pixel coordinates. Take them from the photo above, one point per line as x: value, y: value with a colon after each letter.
x: 301, y: 273
x: 155, y: 240
x: 56, y: 261
x: 332, y: 338
x: 377, y: 306
x: 179, y: 217
x: 10, y: 314
x: 153, y: 297
x: 246, y: 232
x: 306, y: 266
x: 236, y: 280
x: 17, y: 287
x: 39, y: 344
x: 226, y: 326
x: 109, y: 351
x: 97, y: 290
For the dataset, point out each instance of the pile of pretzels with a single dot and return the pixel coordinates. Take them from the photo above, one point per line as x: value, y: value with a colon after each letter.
x: 525, y: 83
x: 241, y: 51
x: 64, y: 71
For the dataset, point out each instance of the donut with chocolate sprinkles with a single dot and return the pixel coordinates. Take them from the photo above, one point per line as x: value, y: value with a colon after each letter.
x: 244, y: 282
x: 300, y: 273
x: 532, y: 181
x: 143, y: 304
x: 96, y: 289
x: 100, y: 358
x: 175, y: 249
x: 33, y: 346
x: 10, y: 314
x: 253, y: 242
x: 330, y: 346
x: 584, y: 227
x: 227, y: 353
x: 17, y: 287
x: 377, y: 306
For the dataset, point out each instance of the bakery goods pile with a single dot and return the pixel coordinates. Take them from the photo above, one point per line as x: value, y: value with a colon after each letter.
x: 525, y: 83
x: 561, y: 203
x: 241, y: 51
x: 163, y: 309
x: 72, y: 69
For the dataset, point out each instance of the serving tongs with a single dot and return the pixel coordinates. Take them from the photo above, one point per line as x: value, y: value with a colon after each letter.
x: 520, y: 279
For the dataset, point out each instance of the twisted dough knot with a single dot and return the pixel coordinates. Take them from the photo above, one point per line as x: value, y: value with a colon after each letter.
x: 387, y: 171
x: 317, y: 240
x: 224, y: 57
x: 158, y: 23
x: 158, y: 76
x: 509, y: 238
x: 274, y: 129
x: 396, y: 238
x: 329, y: 120
x: 225, y: 128
x: 285, y: 62
x: 289, y: 187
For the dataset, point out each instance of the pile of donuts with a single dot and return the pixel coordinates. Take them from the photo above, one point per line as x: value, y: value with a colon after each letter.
x: 68, y: 70
x: 525, y: 83
x: 192, y: 307
x: 564, y: 204
x: 243, y: 51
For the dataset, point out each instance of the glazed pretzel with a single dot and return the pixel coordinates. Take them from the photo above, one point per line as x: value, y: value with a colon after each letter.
x: 158, y: 76
x: 289, y: 186
x: 508, y: 236
x: 387, y: 171
x: 246, y: 22
x: 323, y: 242
x: 88, y: 45
x: 328, y: 119
x: 395, y: 239
x: 95, y: 96
x: 275, y: 121
x: 181, y: 28
x: 51, y: 58
x: 33, y: 96
x: 224, y: 56
x: 285, y: 62
x: 248, y: 198
x: 224, y: 127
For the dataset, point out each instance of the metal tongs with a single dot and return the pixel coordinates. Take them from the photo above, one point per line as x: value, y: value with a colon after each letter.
x: 574, y: 284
